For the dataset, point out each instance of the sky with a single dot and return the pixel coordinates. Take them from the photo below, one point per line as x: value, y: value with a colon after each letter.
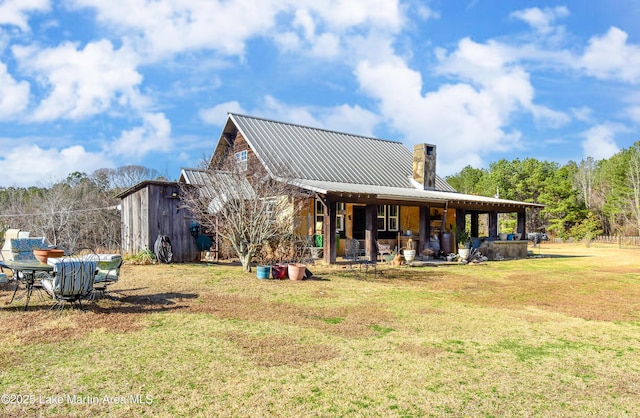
x: 90, y: 84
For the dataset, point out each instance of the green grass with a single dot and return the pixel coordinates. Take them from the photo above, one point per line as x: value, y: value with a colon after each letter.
x: 553, y: 336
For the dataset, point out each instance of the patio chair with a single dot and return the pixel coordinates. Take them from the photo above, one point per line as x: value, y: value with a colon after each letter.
x: 355, y: 255
x: 108, y: 272
x: 382, y: 250
x: 70, y: 281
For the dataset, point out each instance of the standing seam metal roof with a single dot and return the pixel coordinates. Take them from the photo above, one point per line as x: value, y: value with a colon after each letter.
x: 323, y: 155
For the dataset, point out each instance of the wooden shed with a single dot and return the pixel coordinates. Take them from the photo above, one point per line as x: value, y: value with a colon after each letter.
x: 152, y: 208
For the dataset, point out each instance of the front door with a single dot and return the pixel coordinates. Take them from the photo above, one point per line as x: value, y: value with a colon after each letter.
x: 359, y: 222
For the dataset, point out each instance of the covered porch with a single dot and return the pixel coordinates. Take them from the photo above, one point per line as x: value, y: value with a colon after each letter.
x: 421, y: 219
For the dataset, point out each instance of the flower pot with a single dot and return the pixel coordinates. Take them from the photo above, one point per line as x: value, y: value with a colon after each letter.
x: 44, y: 254
x: 263, y: 272
x: 296, y: 271
x: 463, y: 253
x: 409, y: 255
x: 279, y: 271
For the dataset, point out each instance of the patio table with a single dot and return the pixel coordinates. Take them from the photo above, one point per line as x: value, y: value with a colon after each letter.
x: 25, y: 271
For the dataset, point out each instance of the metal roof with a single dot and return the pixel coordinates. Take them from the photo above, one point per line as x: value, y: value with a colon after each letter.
x: 325, y: 161
x: 323, y: 155
x: 408, y: 194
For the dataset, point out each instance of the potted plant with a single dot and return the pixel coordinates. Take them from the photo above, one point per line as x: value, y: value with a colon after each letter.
x: 276, y: 251
x: 409, y: 252
x: 463, y: 239
x: 296, y: 270
x: 263, y: 269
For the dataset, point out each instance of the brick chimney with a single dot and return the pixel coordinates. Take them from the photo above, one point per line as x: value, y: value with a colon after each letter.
x: 424, y: 165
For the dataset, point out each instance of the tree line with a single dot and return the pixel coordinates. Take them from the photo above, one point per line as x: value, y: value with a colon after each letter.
x: 78, y: 212
x: 585, y: 199
x: 582, y: 199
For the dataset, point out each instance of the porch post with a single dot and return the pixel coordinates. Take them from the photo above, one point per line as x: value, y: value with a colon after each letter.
x: 474, y: 225
x: 329, y: 232
x: 424, y: 228
x: 371, y: 232
x: 493, y: 224
x: 522, y: 224
x: 461, y: 222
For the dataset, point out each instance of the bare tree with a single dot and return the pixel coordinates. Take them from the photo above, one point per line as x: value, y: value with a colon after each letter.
x: 122, y: 178
x: 585, y: 179
x: 246, y: 210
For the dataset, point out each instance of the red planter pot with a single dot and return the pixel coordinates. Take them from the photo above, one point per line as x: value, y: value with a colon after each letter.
x: 279, y: 271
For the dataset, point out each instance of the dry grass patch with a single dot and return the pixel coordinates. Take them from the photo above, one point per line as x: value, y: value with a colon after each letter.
x: 271, y: 351
x: 345, y: 321
x: 540, y: 337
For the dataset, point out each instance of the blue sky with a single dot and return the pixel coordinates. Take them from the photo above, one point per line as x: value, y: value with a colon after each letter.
x: 88, y: 84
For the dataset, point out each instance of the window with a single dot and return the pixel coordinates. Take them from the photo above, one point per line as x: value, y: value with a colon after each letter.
x: 340, y: 207
x: 241, y: 160
x: 382, y: 218
x: 319, y: 216
x: 388, y: 218
x: 340, y: 211
x: 393, y: 212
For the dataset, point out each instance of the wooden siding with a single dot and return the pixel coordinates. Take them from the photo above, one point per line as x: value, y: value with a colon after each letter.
x: 151, y: 211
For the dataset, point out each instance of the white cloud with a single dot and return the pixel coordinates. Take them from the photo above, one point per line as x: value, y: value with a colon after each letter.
x: 14, y: 95
x: 15, y: 12
x: 633, y: 112
x: 468, y: 119
x: 351, y: 119
x: 610, y: 57
x: 343, y: 118
x: 170, y: 27
x: 153, y: 136
x: 217, y: 115
x: 166, y: 27
x: 81, y: 82
x: 47, y: 165
x: 600, y: 142
x: 583, y: 113
x: 541, y: 19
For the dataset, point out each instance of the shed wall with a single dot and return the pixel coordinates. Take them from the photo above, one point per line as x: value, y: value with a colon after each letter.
x: 155, y: 210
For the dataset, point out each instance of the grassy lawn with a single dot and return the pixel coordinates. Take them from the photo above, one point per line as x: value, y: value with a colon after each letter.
x: 557, y: 335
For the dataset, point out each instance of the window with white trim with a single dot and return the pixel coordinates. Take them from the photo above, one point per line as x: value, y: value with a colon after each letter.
x: 393, y: 216
x: 382, y: 218
x: 340, y: 211
x: 388, y: 218
x: 241, y: 160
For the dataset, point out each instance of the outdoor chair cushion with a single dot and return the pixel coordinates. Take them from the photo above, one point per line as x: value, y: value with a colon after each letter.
x: 22, y: 248
x: 72, y: 278
x: 108, y: 267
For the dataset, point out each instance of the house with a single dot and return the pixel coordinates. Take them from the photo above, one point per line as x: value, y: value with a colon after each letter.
x: 364, y: 188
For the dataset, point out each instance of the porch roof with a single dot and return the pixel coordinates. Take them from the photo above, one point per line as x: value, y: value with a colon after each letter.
x: 356, y: 192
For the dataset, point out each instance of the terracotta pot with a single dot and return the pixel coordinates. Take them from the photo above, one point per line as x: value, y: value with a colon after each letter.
x: 44, y: 254
x: 296, y: 271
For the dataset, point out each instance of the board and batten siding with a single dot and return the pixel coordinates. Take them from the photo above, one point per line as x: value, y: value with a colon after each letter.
x: 150, y: 209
